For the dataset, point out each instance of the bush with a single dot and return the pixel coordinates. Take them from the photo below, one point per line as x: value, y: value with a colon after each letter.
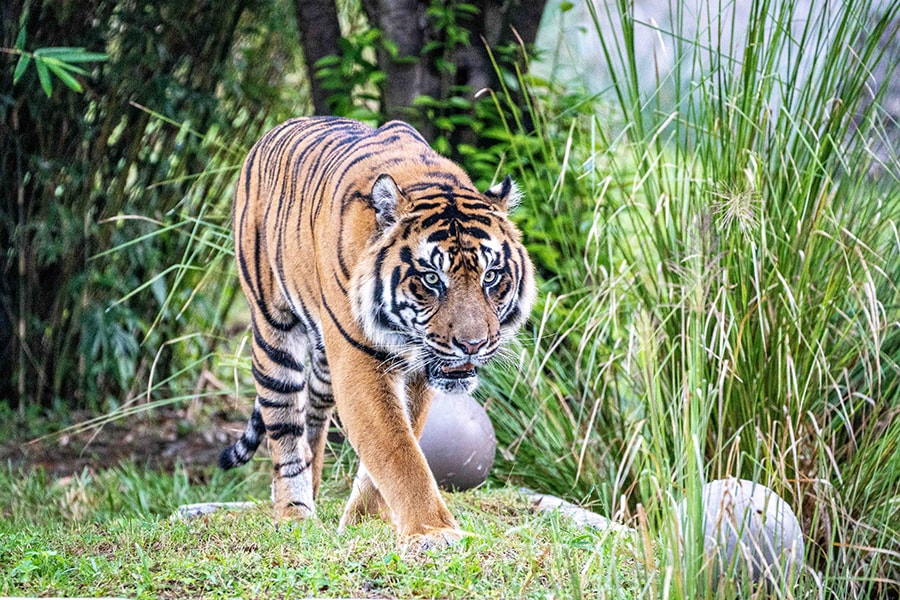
x: 151, y: 144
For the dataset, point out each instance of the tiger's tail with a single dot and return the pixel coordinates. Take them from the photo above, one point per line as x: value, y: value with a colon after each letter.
x: 242, y: 450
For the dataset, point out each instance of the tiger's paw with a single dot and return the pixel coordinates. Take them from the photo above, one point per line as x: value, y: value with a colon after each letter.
x: 433, y: 539
x: 351, y: 518
x: 294, y: 511
x: 293, y: 497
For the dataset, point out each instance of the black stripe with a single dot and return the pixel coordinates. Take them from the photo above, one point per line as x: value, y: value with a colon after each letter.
x: 476, y: 233
x: 378, y: 355
x: 258, y: 300
x: 288, y: 463
x: 276, y: 385
x: 405, y: 127
x: 512, y: 316
x: 291, y: 475
x: 276, y: 355
x: 279, y: 430
x: 267, y: 403
x: 315, y: 420
x: 340, y: 284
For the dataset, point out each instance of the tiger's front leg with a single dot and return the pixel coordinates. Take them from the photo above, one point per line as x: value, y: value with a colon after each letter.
x: 371, y: 403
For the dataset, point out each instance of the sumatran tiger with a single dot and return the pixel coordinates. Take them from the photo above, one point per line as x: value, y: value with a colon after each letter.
x: 376, y: 273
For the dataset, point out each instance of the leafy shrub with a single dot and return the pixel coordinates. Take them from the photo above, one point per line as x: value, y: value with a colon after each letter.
x: 125, y: 160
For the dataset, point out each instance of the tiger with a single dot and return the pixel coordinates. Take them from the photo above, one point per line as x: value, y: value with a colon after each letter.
x: 376, y: 275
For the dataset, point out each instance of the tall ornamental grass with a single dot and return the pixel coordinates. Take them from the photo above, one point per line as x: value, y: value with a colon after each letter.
x: 728, y: 301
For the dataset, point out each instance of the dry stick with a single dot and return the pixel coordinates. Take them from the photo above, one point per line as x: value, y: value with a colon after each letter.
x: 20, y: 242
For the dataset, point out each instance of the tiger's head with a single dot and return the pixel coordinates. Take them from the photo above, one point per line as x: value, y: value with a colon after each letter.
x: 445, y: 280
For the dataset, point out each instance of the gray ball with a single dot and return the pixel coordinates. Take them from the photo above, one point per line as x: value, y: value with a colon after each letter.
x: 748, y: 530
x: 458, y: 442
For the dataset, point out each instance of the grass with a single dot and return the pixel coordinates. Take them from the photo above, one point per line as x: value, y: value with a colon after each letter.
x: 726, y: 304
x: 108, y: 534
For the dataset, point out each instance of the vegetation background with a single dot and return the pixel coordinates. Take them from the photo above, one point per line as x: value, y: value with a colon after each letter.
x: 713, y: 218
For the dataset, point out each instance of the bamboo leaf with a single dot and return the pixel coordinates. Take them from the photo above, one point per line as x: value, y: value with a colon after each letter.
x: 68, y: 80
x: 55, y: 62
x: 43, y: 76
x: 88, y: 57
x: 70, y: 55
x: 20, y: 40
x: 21, y: 66
x: 57, y: 51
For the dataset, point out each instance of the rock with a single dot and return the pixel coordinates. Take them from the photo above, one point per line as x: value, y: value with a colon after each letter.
x: 192, y: 511
x: 582, y: 517
x: 750, y: 531
x: 458, y: 442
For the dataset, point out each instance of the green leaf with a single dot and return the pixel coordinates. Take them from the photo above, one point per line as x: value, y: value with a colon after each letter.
x: 20, y: 40
x: 431, y: 46
x: 566, y: 6
x: 70, y: 55
x: 43, y: 76
x: 55, y: 62
x: 327, y: 61
x: 444, y: 123
x: 68, y: 80
x: 84, y: 56
x: 23, y: 63
x: 56, y: 50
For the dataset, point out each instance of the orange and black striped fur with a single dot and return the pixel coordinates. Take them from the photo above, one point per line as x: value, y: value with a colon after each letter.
x: 375, y: 273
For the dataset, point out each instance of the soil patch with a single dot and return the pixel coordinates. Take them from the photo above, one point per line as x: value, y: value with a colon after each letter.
x: 158, y: 440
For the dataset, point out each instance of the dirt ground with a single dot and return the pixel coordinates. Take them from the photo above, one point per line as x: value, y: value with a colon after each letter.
x: 157, y: 439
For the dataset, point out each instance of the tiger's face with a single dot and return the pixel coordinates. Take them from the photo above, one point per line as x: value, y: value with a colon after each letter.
x: 444, y: 282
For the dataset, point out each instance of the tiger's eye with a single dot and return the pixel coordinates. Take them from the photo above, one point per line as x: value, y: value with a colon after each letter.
x: 431, y: 278
x: 490, y: 277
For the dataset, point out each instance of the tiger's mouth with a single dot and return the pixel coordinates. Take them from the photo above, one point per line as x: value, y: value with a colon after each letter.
x: 453, y: 378
x: 462, y: 371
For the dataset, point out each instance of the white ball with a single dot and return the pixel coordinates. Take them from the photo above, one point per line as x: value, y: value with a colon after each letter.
x: 748, y: 530
x: 458, y: 442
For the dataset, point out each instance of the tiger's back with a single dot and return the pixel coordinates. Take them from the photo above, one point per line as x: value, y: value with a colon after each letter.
x: 375, y: 272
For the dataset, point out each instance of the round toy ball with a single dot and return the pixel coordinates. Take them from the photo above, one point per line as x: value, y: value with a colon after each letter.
x: 458, y: 442
x: 748, y: 530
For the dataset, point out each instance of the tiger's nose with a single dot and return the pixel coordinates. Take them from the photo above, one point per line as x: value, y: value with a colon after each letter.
x: 470, y: 347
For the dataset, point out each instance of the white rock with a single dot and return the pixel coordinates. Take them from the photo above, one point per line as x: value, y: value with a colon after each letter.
x: 191, y: 511
x: 750, y: 531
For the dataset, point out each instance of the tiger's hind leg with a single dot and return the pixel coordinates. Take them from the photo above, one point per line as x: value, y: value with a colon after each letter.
x: 365, y: 499
x: 281, y: 387
x: 318, y: 413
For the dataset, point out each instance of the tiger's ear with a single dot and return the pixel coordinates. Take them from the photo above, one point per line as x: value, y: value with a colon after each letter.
x: 505, y: 195
x: 386, y: 195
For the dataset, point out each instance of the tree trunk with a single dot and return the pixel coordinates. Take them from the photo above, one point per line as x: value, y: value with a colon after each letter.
x: 317, y: 21
x: 415, y: 70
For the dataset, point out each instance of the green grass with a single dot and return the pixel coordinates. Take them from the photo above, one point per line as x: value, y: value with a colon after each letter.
x: 720, y: 291
x: 109, y: 534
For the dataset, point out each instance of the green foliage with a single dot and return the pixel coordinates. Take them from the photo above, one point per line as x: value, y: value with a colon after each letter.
x: 108, y: 187
x: 354, y: 77
x: 58, y: 61
x: 720, y: 292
